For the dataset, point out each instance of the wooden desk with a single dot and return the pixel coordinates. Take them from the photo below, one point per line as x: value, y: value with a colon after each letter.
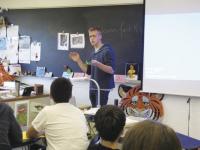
x: 21, y: 98
x: 28, y: 107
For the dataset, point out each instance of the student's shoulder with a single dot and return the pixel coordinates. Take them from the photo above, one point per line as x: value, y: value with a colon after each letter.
x: 107, y: 48
x: 4, y: 106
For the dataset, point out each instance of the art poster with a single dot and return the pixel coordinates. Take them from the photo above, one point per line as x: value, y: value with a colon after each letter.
x: 22, y: 113
x: 77, y: 40
x: 63, y: 41
x: 35, y: 51
x: 24, y: 49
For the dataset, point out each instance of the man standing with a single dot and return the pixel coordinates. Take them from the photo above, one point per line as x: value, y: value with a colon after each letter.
x: 101, y: 67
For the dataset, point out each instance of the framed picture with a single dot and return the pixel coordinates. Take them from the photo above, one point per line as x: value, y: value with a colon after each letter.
x: 77, y: 40
x: 63, y: 41
x: 22, y: 113
x: 68, y: 72
x: 131, y: 71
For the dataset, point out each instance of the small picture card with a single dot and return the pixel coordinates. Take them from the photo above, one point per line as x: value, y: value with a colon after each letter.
x: 78, y: 74
x: 40, y: 71
x: 119, y: 78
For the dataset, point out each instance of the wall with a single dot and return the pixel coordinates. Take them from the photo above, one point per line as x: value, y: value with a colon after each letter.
x: 123, y: 31
x: 26, y: 4
x: 176, y: 107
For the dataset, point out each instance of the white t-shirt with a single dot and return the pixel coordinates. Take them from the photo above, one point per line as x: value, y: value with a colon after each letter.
x: 64, y: 125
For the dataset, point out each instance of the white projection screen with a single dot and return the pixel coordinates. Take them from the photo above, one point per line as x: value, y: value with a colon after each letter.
x: 172, y: 47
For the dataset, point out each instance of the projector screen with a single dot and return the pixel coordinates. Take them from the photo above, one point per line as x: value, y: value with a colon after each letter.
x: 172, y: 47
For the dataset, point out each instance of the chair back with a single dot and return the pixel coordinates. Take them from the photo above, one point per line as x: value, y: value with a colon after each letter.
x: 95, y: 140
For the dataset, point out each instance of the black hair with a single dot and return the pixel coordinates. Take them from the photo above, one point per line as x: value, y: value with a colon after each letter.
x: 61, y: 90
x: 109, y: 122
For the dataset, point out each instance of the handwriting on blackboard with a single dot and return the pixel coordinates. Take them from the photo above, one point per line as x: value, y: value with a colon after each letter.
x: 123, y: 28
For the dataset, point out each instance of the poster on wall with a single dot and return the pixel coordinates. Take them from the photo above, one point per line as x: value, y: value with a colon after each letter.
x: 35, y: 51
x: 22, y: 113
x: 3, y: 43
x: 77, y: 40
x: 2, y: 31
x: 13, y: 31
x: 24, y: 49
x: 63, y: 41
x: 12, y: 49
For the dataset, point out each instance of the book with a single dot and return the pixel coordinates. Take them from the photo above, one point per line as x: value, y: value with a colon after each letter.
x: 40, y: 71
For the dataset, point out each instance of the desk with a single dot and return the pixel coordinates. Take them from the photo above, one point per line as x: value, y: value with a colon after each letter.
x: 130, y: 120
x: 28, y: 143
x: 31, y: 106
x: 20, y: 98
x: 188, y: 142
x: 90, y: 113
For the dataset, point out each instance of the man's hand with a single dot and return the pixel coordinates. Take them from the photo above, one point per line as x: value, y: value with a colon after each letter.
x: 95, y: 62
x: 74, y: 56
x: 105, y: 68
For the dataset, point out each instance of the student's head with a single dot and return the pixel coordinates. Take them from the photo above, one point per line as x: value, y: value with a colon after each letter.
x: 95, y: 36
x: 61, y: 90
x: 150, y: 135
x: 109, y: 122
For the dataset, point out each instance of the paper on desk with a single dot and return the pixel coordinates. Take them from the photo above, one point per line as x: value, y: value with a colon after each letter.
x: 24, y: 135
x: 91, y: 111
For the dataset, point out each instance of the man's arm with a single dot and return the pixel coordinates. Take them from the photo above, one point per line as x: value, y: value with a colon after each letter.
x: 105, y: 68
x: 82, y: 65
x: 32, y: 133
x: 76, y: 58
x: 38, y: 124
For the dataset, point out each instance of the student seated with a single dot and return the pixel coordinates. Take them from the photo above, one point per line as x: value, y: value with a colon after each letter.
x: 64, y: 125
x: 109, y: 122
x: 10, y: 131
x: 150, y: 135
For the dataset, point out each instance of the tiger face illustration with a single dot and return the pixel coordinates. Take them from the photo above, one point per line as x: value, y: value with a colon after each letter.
x: 141, y: 104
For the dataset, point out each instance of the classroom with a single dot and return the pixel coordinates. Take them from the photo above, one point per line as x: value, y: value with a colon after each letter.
x: 57, y: 28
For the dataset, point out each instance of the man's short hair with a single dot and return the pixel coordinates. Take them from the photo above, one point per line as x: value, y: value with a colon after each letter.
x: 109, y: 122
x: 61, y: 90
x: 95, y: 29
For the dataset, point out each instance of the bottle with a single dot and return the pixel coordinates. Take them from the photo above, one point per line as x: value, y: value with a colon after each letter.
x: 17, y: 88
x: 116, y: 102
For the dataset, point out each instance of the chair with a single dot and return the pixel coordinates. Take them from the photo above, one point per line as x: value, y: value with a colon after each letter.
x: 94, y: 140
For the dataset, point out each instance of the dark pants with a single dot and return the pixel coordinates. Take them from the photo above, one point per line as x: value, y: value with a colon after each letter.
x: 94, y: 97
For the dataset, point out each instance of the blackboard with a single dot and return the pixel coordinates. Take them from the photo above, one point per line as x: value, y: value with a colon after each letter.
x: 122, y: 28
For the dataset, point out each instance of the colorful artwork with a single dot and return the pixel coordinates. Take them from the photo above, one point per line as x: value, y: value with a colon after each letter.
x: 22, y: 113
x: 141, y: 104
